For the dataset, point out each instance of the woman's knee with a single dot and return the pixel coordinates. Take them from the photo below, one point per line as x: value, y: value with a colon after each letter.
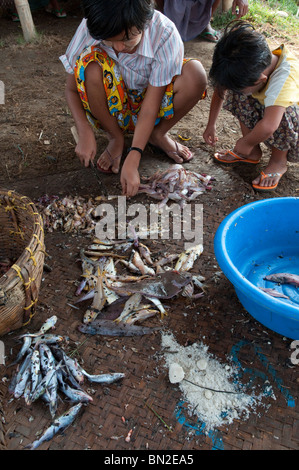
x: 194, y: 77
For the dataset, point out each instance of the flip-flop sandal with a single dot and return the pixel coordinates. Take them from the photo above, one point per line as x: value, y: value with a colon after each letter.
x: 218, y: 157
x: 260, y: 188
x: 15, y: 17
x: 177, y: 153
x: 112, y: 160
x: 210, y: 36
x: 59, y: 13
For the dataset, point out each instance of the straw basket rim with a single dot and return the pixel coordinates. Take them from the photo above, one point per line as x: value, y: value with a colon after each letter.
x: 25, y: 273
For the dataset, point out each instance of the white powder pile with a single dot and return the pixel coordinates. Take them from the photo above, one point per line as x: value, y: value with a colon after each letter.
x: 199, y: 367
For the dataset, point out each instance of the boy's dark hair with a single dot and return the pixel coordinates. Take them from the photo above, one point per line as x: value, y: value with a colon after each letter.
x: 239, y: 58
x: 109, y: 18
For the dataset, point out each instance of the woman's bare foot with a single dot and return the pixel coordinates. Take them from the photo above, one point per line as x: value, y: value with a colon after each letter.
x: 174, y: 150
x: 109, y: 160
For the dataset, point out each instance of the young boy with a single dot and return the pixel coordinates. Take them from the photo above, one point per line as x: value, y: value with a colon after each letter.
x: 125, y: 72
x: 261, y: 89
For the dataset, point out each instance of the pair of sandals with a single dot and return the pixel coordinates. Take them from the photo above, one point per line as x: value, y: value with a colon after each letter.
x: 172, y: 154
x: 237, y: 159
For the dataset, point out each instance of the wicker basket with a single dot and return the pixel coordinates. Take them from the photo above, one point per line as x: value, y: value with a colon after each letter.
x: 21, y: 242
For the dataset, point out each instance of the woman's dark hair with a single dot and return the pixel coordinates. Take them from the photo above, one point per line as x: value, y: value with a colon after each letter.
x: 108, y: 18
x: 239, y: 58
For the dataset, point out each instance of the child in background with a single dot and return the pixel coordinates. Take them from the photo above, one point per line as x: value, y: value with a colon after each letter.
x: 261, y: 89
x: 126, y: 72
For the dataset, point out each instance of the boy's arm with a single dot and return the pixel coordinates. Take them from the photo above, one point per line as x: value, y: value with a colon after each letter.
x: 262, y: 130
x: 130, y: 180
x: 86, y: 147
x: 209, y: 134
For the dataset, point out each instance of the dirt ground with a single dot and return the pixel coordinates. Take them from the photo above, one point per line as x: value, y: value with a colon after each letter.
x: 37, y: 158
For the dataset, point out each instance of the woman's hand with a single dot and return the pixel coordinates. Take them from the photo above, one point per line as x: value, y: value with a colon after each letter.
x: 242, y: 8
x: 129, y: 178
x: 209, y: 135
x: 86, y: 147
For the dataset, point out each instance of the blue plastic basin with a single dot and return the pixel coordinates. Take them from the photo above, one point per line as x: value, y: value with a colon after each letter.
x: 256, y: 240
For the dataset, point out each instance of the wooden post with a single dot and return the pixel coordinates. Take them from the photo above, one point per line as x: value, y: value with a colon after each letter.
x: 26, y: 20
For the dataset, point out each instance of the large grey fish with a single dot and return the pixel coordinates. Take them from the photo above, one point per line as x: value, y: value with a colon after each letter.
x: 110, y: 328
x: 163, y: 286
x: 58, y: 425
x: 284, y: 278
x: 47, y: 359
x: 18, y: 375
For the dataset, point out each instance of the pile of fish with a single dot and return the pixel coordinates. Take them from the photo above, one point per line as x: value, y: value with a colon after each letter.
x: 77, y: 214
x: 70, y: 214
x: 129, y: 287
x: 177, y: 184
x: 44, y: 370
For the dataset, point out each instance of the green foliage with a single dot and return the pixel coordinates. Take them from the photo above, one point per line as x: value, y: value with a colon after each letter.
x: 262, y: 12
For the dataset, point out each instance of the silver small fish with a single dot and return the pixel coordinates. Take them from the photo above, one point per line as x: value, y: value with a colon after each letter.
x: 58, y: 425
x: 49, y: 324
x: 26, y: 345
x: 75, y: 395
x: 104, y: 378
x: 22, y: 382
x: 72, y: 365
x: 35, y: 369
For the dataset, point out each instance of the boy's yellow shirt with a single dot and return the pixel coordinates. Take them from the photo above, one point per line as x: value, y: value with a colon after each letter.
x: 282, y: 88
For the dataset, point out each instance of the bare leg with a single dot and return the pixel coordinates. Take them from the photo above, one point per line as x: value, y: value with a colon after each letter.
x: 277, y: 165
x: 210, y: 33
x: 98, y: 105
x: 188, y: 90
